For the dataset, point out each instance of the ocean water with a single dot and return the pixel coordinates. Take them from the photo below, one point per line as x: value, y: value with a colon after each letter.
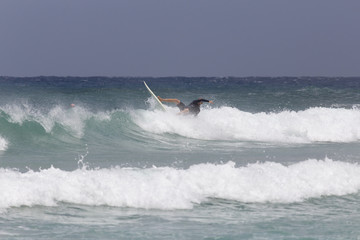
x: 272, y: 158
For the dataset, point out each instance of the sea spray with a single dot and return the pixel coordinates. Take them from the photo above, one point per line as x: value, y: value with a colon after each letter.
x: 170, y: 188
x: 3, y: 144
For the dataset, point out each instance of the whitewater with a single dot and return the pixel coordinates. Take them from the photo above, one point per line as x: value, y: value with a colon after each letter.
x: 170, y: 188
x: 228, y: 123
x: 95, y: 158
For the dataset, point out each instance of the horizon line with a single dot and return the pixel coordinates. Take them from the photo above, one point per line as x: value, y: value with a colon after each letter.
x: 103, y: 76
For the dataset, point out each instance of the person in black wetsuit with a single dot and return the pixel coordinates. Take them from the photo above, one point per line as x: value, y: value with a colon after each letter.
x: 192, y: 108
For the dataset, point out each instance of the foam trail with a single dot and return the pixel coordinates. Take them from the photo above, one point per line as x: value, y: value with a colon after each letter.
x: 227, y: 123
x: 170, y: 188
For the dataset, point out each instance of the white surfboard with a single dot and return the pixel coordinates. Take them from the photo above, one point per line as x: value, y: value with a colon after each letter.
x: 152, y: 94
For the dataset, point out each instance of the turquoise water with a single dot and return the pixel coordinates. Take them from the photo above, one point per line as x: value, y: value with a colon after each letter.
x: 272, y: 158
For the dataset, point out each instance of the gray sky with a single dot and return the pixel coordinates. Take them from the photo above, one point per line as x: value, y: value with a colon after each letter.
x: 180, y: 38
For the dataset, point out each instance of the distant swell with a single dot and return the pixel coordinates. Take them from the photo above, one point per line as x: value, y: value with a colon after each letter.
x: 170, y: 188
x: 227, y: 123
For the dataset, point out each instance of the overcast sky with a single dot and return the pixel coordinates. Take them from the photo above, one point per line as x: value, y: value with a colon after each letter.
x: 180, y: 37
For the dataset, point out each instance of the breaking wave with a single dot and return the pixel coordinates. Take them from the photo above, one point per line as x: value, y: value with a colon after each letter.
x: 223, y: 124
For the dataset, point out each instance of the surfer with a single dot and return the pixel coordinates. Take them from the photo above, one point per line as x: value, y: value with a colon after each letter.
x: 192, y: 108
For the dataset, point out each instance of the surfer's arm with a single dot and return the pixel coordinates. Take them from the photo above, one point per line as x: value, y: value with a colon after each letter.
x: 171, y: 100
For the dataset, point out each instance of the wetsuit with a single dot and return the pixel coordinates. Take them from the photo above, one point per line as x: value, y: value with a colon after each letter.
x: 194, y: 107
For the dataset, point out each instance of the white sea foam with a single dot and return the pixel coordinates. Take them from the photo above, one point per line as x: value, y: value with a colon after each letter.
x: 227, y: 123
x: 170, y: 188
x: 72, y: 119
x: 3, y: 144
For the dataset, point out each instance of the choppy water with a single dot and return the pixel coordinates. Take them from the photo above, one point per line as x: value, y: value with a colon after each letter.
x: 272, y: 158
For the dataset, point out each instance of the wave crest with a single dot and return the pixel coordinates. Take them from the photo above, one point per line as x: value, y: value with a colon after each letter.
x: 72, y: 119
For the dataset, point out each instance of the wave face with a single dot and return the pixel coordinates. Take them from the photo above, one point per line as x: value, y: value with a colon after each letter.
x: 170, y: 188
x: 228, y: 123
